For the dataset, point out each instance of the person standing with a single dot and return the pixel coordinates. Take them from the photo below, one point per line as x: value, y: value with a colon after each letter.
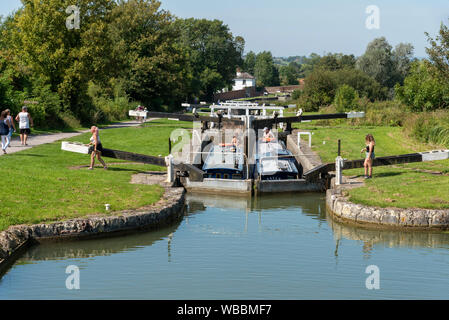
x: 24, y: 119
x: 98, y: 148
x: 4, y: 131
x: 370, y: 155
x: 12, y: 129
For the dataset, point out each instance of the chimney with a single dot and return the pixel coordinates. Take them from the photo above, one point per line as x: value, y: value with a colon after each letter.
x: 239, y: 72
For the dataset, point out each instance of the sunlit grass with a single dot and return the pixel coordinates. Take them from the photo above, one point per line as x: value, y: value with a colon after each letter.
x: 403, y: 186
x: 42, y: 184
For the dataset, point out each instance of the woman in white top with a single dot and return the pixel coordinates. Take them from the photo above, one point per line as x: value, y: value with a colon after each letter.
x: 24, y: 119
x: 98, y: 148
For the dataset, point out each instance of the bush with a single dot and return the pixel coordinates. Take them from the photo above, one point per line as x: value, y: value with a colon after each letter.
x: 385, y: 113
x: 423, y: 90
x: 110, y: 104
x: 429, y: 127
x: 346, y: 99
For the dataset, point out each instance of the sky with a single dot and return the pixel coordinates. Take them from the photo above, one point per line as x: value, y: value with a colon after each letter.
x: 299, y: 27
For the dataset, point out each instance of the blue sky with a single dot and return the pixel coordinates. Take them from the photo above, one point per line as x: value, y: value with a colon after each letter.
x: 298, y: 27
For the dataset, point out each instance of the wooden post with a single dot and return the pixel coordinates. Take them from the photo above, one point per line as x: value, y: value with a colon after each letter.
x: 339, y: 148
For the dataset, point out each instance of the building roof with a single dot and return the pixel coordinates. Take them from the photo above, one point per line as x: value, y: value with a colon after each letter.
x: 244, y: 76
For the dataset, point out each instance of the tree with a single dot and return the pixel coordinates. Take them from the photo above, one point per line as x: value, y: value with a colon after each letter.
x: 145, y: 53
x: 439, y: 51
x: 346, y: 99
x: 290, y: 74
x: 402, y: 58
x: 266, y: 72
x: 214, y: 54
x: 321, y: 87
x: 249, y: 64
x: 385, y: 65
x: 377, y: 62
x: 424, y: 89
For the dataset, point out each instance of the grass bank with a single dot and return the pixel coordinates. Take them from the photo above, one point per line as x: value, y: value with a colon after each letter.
x: 415, y: 185
x: 44, y: 184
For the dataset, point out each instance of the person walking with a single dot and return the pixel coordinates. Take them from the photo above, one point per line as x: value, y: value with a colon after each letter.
x: 24, y: 119
x: 370, y: 155
x: 97, y: 148
x: 4, y: 131
x: 12, y: 129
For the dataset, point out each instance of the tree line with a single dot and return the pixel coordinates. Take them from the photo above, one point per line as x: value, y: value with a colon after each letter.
x: 129, y: 52
x: 124, y: 53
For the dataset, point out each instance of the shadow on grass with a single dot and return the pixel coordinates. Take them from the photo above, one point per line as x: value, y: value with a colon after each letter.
x: 387, y: 174
x: 20, y: 154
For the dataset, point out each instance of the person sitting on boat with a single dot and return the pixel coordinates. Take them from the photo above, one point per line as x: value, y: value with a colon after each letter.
x: 235, y: 142
x: 268, y: 136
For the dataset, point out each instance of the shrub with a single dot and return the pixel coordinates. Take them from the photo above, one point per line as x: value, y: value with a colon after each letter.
x: 346, y: 99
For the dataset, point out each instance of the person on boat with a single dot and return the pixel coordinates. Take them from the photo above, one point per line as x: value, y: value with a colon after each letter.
x: 268, y: 136
x: 97, y: 148
x: 235, y: 142
x: 370, y: 155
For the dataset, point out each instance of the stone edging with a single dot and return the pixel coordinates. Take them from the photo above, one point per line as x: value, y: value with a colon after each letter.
x: 341, y: 208
x: 169, y: 209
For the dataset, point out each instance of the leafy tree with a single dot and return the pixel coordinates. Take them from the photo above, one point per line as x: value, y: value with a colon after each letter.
x: 249, y: 64
x: 145, y: 53
x: 321, y: 87
x: 377, y: 62
x: 385, y: 65
x: 346, y: 99
x: 439, y: 51
x: 290, y: 74
x: 266, y: 72
x: 424, y: 89
x: 214, y: 54
x: 402, y: 58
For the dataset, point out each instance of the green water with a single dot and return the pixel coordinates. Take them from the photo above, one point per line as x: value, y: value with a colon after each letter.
x: 275, y: 247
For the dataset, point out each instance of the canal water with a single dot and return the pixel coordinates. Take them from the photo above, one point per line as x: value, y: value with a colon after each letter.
x: 274, y: 247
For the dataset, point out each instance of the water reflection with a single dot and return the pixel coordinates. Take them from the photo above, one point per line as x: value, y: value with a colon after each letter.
x: 100, y: 247
x: 372, y: 238
x: 310, y: 205
x: 274, y: 247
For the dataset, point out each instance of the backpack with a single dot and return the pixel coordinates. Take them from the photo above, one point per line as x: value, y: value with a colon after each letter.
x: 4, y: 129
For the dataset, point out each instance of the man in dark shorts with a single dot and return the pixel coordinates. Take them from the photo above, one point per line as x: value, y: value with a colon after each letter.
x: 24, y: 119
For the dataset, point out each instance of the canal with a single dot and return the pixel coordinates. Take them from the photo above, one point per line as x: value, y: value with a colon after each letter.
x: 274, y: 247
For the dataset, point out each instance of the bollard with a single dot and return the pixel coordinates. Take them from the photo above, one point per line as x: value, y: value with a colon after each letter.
x: 339, y: 163
x: 170, y: 169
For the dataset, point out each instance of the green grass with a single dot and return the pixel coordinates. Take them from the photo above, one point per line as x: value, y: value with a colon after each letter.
x: 402, y: 186
x: 39, y: 185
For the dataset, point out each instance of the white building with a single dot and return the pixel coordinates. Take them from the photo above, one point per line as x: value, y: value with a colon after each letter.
x: 243, y: 80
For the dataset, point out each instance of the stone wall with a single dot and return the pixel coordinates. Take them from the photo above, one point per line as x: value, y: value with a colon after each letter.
x: 342, y: 209
x: 169, y: 209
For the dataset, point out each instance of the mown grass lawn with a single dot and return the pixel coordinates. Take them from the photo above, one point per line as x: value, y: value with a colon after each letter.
x: 402, y: 186
x: 41, y: 184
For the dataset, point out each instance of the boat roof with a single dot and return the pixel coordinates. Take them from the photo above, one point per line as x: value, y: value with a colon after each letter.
x: 224, y: 158
x: 273, y: 166
x: 272, y: 149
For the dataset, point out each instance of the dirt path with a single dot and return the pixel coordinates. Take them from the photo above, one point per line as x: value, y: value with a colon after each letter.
x: 37, y: 140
